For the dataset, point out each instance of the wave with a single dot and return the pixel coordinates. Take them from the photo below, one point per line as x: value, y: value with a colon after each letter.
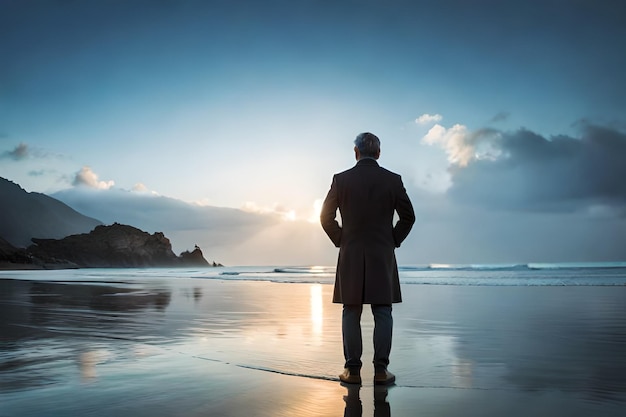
x: 305, y: 270
x: 453, y: 267
x: 515, y: 267
x: 577, y: 265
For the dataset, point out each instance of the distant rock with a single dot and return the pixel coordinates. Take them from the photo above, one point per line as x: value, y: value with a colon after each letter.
x: 25, y: 215
x: 194, y: 258
x: 114, y: 246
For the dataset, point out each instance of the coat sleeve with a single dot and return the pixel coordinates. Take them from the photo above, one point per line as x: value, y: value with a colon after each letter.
x: 328, y: 214
x: 404, y: 208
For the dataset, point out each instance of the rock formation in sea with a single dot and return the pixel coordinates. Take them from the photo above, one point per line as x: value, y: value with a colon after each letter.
x: 194, y: 258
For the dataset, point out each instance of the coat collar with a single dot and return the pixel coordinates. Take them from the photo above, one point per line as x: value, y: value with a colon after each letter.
x: 367, y: 162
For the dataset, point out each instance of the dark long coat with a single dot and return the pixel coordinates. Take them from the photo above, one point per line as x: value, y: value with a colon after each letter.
x: 367, y: 196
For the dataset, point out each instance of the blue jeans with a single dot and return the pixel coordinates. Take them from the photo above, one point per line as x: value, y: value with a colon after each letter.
x: 352, y: 339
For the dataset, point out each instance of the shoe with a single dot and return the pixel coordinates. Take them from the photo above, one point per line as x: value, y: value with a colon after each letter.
x: 350, y: 377
x: 384, y: 377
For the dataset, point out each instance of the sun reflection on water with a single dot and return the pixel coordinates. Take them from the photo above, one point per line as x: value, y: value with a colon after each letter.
x: 317, y: 313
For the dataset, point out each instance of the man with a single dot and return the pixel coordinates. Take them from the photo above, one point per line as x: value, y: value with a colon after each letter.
x: 367, y: 196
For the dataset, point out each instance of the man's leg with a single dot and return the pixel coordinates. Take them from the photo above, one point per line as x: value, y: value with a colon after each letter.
x: 383, y: 330
x: 351, y: 332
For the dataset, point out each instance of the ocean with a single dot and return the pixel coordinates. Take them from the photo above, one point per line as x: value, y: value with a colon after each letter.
x: 535, y: 274
x: 532, y: 274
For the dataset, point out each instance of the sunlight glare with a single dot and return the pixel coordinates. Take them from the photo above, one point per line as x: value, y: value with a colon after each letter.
x: 317, y: 210
x: 317, y: 311
x: 290, y: 215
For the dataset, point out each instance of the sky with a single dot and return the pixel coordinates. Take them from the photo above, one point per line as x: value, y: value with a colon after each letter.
x: 506, y: 119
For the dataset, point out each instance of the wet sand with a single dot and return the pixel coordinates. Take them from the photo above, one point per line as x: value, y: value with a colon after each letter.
x: 187, y: 347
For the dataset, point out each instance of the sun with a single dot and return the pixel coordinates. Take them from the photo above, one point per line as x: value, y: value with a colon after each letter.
x: 317, y: 210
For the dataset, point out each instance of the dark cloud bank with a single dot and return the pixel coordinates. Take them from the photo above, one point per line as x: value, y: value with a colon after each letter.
x: 527, y: 198
x: 534, y: 173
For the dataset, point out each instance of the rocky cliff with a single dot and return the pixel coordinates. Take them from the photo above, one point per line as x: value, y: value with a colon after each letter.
x: 12, y: 257
x: 114, y: 246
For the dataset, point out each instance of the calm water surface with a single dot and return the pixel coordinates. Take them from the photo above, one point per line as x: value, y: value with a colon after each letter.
x: 113, y: 342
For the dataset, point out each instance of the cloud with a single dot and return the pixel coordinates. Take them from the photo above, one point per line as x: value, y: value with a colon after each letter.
x: 453, y: 141
x: 500, y: 117
x: 453, y: 231
x: 140, y: 187
x: 309, y: 214
x: 524, y: 170
x: 448, y: 232
x: 20, y: 152
x: 426, y: 118
x: 278, y: 209
x: 463, y: 146
x: 227, y: 235
x: 86, y: 177
x: 24, y: 151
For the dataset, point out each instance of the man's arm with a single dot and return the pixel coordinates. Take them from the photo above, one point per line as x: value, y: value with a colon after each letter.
x: 404, y: 208
x: 328, y: 214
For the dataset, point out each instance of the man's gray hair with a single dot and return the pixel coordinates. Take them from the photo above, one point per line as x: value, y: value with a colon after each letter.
x: 368, y: 144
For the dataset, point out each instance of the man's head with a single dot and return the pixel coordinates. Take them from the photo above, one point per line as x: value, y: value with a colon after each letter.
x: 366, y: 145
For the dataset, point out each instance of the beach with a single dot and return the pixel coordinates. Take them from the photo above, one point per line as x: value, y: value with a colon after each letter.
x: 183, y: 343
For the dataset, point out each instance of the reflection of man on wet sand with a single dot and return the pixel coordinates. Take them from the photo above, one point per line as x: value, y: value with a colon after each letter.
x: 354, y: 407
x: 367, y: 197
